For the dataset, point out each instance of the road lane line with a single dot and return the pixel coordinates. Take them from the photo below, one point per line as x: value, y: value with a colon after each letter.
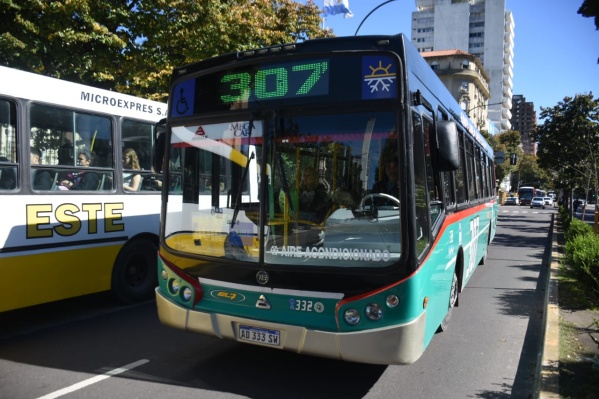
x: 93, y: 380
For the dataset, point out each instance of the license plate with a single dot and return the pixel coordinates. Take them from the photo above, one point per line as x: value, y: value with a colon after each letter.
x: 259, y: 335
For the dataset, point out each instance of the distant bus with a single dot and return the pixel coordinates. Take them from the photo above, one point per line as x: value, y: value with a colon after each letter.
x: 374, y: 276
x: 526, y: 193
x: 59, y: 242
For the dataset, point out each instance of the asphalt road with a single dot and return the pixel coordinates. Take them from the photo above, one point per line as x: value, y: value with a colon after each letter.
x: 94, y: 348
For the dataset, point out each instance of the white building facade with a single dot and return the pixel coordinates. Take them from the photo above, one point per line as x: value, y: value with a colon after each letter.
x: 483, y: 28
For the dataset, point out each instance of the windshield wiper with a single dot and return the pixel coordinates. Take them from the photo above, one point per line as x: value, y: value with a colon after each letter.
x: 243, y: 179
x: 286, y: 188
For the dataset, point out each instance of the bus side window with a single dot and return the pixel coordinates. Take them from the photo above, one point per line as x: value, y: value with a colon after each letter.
x: 8, y: 177
x: 136, y: 144
x: 106, y: 181
x: 420, y: 180
x: 8, y: 146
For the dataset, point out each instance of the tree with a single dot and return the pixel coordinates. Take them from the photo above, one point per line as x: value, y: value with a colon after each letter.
x: 509, y: 143
x: 530, y: 173
x: 569, y: 141
x: 133, y: 45
x: 589, y: 9
x: 72, y: 40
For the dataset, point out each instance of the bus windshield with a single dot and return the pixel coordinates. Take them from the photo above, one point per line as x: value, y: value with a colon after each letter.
x: 317, y: 205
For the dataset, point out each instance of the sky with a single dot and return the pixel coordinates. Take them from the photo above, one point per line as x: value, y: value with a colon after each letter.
x: 556, y: 50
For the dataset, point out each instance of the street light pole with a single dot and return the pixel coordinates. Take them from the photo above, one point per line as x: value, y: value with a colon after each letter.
x: 480, y: 106
x: 373, y: 10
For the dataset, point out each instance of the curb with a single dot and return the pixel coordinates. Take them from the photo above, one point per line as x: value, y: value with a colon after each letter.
x: 548, y: 384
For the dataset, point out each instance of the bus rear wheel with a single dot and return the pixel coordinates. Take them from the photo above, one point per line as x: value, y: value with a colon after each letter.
x: 453, y: 299
x: 134, y: 275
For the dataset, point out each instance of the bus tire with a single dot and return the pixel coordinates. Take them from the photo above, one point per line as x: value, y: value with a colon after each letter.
x: 453, y: 299
x: 134, y: 275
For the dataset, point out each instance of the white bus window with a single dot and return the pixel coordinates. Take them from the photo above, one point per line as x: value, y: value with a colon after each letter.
x: 74, y: 141
x: 8, y: 146
x: 136, y: 148
x: 62, y: 133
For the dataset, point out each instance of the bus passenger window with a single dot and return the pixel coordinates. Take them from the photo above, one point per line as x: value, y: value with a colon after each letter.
x: 8, y: 177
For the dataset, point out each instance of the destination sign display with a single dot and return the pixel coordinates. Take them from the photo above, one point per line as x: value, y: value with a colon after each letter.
x: 268, y: 82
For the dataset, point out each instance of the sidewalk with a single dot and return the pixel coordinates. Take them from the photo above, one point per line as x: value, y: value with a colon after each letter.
x: 549, y: 367
x: 548, y: 384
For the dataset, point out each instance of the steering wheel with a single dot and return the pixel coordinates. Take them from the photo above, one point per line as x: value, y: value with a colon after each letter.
x: 377, y: 200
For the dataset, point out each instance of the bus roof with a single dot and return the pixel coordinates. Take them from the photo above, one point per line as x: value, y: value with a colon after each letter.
x: 37, y: 87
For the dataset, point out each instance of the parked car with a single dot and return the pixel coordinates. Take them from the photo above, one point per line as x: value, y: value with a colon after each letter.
x: 511, y: 201
x: 537, y: 202
x: 581, y: 203
x: 548, y: 200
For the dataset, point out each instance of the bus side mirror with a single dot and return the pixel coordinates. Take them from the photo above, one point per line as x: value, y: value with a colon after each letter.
x: 159, y: 144
x: 448, y: 150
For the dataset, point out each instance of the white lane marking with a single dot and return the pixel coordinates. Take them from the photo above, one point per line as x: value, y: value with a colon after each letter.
x: 93, y: 380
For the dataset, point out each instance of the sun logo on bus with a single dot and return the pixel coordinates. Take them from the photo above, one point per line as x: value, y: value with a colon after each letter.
x: 380, y: 77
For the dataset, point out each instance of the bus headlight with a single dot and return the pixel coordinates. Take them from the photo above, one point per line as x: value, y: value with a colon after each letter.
x: 352, y: 317
x: 175, y: 286
x: 374, y: 312
x: 186, y: 294
x: 392, y: 301
x: 164, y: 275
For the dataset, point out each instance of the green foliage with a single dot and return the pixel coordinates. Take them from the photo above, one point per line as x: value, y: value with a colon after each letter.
x: 589, y: 9
x: 132, y: 46
x: 581, y: 252
x: 569, y: 141
x: 509, y: 143
x: 577, y: 228
x: 564, y: 217
x: 530, y: 173
x: 582, y: 256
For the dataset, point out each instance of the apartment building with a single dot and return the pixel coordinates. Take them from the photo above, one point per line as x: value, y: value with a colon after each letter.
x: 466, y: 80
x: 524, y: 120
x: 483, y: 28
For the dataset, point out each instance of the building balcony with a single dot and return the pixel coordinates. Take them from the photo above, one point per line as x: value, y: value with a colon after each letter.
x: 508, y: 49
x: 505, y: 125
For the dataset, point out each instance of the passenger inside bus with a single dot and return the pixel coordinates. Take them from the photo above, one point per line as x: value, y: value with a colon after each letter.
x: 131, y: 181
x: 389, y: 184
x: 314, y: 200
x: 82, y: 180
x: 8, y: 176
x: 42, y: 179
x: 66, y: 150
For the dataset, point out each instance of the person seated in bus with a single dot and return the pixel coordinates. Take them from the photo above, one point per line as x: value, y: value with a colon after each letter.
x: 389, y: 184
x: 131, y: 181
x: 42, y: 179
x: 83, y: 180
x: 314, y: 200
x: 8, y: 176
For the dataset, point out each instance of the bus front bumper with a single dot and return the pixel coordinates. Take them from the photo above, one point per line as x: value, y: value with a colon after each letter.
x: 399, y: 344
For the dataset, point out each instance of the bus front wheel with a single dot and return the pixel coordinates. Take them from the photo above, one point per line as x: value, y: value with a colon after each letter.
x: 453, y: 299
x: 134, y: 274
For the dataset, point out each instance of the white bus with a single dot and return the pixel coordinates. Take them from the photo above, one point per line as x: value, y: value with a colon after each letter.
x: 80, y: 202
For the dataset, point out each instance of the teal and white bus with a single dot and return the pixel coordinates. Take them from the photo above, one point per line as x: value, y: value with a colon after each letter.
x: 59, y: 239
x: 373, y: 277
